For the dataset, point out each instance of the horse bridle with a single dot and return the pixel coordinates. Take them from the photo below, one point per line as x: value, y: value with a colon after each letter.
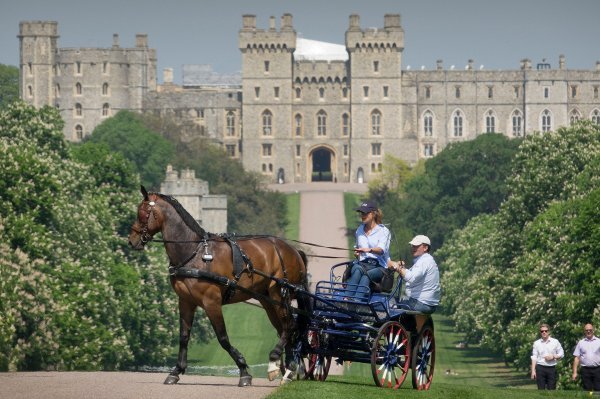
x: 145, y: 237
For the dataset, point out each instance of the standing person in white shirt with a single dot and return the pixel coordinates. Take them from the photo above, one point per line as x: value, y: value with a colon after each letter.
x: 546, y: 351
x: 587, y: 354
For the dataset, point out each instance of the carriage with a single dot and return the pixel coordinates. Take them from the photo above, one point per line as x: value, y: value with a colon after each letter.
x: 209, y: 271
x: 367, y: 327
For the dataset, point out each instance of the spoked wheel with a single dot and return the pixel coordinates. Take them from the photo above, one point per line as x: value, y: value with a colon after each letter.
x: 423, y: 360
x: 390, y: 355
x: 318, y: 365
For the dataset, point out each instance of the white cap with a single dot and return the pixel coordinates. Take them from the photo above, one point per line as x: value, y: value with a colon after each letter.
x: 420, y: 239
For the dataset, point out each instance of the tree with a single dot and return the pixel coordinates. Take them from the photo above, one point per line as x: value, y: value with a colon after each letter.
x: 536, y: 260
x: 9, y: 84
x: 149, y: 151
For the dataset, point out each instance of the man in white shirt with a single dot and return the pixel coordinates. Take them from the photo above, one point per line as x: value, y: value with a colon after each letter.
x: 546, y: 351
x: 422, y: 279
x: 587, y: 353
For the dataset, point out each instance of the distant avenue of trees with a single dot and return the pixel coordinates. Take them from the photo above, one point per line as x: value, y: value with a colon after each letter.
x: 515, y: 226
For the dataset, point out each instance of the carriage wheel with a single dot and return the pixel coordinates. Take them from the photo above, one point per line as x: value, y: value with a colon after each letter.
x: 318, y: 365
x: 390, y: 355
x: 423, y: 360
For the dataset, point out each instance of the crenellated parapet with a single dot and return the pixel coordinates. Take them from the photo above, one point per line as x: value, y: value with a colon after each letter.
x: 390, y: 38
x: 252, y: 39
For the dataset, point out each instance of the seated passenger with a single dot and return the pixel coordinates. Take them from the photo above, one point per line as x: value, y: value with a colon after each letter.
x: 371, y: 250
x: 422, y: 279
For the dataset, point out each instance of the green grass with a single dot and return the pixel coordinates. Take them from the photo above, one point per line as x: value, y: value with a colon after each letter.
x: 292, y: 231
x: 249, y: 331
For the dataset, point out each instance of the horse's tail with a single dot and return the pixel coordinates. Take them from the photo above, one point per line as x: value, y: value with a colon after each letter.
x: 305, y: 302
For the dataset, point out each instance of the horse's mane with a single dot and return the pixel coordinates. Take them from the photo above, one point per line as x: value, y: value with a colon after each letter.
x: 187, y: 218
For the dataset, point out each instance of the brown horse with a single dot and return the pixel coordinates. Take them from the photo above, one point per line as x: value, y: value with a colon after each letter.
x: 203, y: 273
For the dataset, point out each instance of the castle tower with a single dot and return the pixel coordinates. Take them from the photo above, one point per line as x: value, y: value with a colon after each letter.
x: 267, y: 95
x: 37, y: 43
x: 375, y: 76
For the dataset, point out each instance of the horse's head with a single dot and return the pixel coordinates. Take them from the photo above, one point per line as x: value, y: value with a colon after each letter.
x: 147, y: 222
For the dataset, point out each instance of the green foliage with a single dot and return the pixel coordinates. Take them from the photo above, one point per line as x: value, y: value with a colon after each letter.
x: 537, y: 259
x: 126, y: 133
x: 9, y: 84
x: 72, y: 297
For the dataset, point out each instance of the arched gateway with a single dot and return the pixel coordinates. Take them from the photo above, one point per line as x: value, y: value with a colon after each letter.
x: 322, y: 164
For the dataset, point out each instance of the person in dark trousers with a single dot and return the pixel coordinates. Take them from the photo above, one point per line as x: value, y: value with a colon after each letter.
x: 587, y: 354
x: 546, y: 351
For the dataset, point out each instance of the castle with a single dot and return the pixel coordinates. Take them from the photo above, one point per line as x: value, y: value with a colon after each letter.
x: 305, y: 110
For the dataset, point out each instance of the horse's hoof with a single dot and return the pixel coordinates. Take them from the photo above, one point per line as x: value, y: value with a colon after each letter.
x: 171, y: 379
x: 273, y: 370
x: 245, y: 381
x: 287, y: 377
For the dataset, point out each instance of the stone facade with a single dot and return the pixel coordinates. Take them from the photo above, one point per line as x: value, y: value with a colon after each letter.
x: 210, y: 211
x: 297, y: 115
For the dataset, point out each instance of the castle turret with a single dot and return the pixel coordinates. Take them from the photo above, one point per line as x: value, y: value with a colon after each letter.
x: 38, y: 43
x: 267, y: 93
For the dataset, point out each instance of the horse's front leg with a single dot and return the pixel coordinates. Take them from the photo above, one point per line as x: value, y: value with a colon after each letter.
x: 214, y: 313
x: 186, y: 318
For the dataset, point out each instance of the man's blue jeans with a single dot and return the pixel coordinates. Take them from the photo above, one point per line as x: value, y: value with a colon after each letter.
x: 413, y: 304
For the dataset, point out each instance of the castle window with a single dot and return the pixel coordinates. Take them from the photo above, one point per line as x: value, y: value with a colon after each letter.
x: 29, y: 69
x: 345, y: 150
x: 78, y: 89
x: 386, y: 90
x: 230, y: 150
x: 546, y: 121
x: 345, y: 124
x: 574, y: 117
x: 78, y: 67
x: 257, y: 92
x: 298, y: 128
x: 79, y: 132
x: 516, y: 90
x: 267, y: 120
x: 345, y: 92
x: 596, y: 117
x: 366, y: 91
x: 298, y: 148
x: 321, y: 123
x: 105, y: 67
x: 199, y: 113
x: 457, y: 124
x: 30, y: 91
x: 490, y: 122
x: 376, y: 123
x: 267, y: 65
x: 264, y: 167
x: 427, y: 92
x: 346, y: 168
x: 490, y: 92
x: 573, y: 91
x: 230, y: 123
x: 375, y: 66
x: 376, y: 149
x: 57, y: 90
x: 546, y: 92
x: 267, y: 150
x: 457, y: 91
x: 321, y: 92
x: 428, y: 150
x: 78, y: 110
x: 105, y: 109
x: 595, y: 91
x: 517, y: 123
x: 105, y: 89
x: 298, y: 92
x: 428, y: 123
x: 276, y: 92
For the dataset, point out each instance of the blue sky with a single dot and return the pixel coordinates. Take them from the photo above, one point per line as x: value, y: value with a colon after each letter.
x: 496, y: 34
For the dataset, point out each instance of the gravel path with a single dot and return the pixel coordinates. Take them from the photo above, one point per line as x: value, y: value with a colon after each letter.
x: 321, y: 221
